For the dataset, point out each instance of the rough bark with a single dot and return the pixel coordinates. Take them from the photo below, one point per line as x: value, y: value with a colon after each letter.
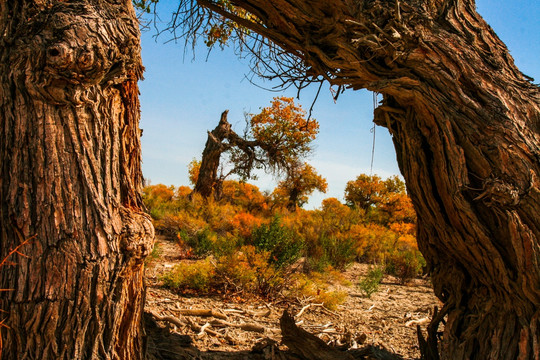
x: 306, y: 345
x: 214, y: 147
x: 465, y: 123
x: 70, y: 174
x: 221, y: 139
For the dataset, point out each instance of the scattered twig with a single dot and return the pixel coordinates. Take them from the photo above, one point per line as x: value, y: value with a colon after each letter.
x: 244, y: 326
x: 202, y: 312
x: 200, y: 330
x: 168, y: 318
x: 203, y: 329
x: 302, y: 311
x: 421, y: 321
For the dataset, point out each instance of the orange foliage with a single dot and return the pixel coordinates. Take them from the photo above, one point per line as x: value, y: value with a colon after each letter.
x: 301, y: 182
x: 245, y: 195
x: 336, y: 234
x: 364, y: 192
x: 244, y: 223
x: 386, y: 200
x: 284, y: 127
x: 399, y: 207
x: 183, y: 191
x: 403, y: 228
x: 160, y: 192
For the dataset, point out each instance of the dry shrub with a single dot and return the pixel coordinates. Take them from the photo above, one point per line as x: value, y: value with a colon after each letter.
x: 405, y: 265
x: 172, y: 224
x: 198, y: 275
x: 318, y: 286
x: 249, y: 270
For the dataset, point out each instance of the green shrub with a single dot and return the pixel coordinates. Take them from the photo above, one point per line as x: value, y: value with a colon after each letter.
x: 202, y: 242
x: 370, y: 283
x: 279, y: 241
x: 198, y: 275
x: 337, y: 252
x: 206, y: 242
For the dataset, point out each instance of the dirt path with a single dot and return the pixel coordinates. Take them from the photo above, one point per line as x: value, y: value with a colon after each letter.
x: 387, y: 319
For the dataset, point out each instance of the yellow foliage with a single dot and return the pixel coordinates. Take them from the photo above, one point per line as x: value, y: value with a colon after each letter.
x: 300, y: 182
x: 172, y: 224
x: 403, y: 228
x: 317, y: 286
x: 245, y: 195
x: 197, y: 275
x: 250, y: 270
x: 194, y: 168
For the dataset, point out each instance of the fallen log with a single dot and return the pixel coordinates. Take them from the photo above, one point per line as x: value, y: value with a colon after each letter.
x: 306, y: 345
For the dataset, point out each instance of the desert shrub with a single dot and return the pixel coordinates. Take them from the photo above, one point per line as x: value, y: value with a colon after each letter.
x: 370, y: 283
x: 206, y: 242
x: 245, y: 196
x: 244, y: 223
x: 317, y: 286
x: 250, y: 270
x: 180, y: 221
x: 218, y: 216
x: 227, y: 244
x: 198, y: 275
x: 405, y: 264
x: 284, y: 248
x: 201, y: 243
x: 160, y: 200
x: 338, y: 252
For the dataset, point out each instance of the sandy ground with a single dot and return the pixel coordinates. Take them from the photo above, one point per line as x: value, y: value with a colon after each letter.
x: 387, y: 319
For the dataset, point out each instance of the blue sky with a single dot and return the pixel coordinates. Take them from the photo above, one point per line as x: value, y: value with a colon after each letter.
x: 182, y: 97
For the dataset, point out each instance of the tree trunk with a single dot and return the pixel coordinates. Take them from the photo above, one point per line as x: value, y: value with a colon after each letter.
x: 221, y: 139
x: 214, y: 147
x: 70, y: 174
x: 465, y: 123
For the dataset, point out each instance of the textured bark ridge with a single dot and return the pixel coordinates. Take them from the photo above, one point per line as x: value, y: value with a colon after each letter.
x: 70, y: 174
x: 465, y: 123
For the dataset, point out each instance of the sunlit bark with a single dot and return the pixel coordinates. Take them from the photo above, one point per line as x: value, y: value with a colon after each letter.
x: 70, y: 175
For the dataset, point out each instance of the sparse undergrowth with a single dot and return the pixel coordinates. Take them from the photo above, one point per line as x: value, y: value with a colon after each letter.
x: 318, y: 300
x: 369, y: 284
x: 250, y: 243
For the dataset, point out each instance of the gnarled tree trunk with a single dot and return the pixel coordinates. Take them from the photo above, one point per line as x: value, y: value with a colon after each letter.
x: 207, y: 181
x: 70, y: 174
x: 466, y: 126
x: 221, y: 139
